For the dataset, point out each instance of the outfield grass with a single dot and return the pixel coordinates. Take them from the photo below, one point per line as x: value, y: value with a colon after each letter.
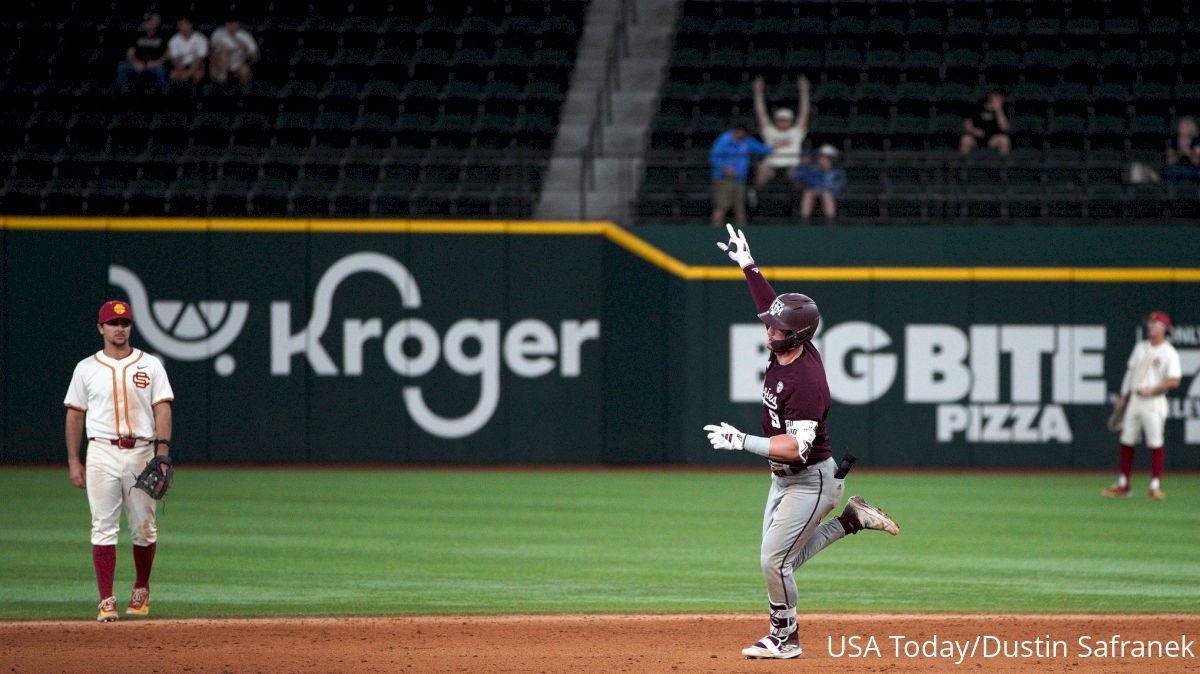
x: 338, y: 542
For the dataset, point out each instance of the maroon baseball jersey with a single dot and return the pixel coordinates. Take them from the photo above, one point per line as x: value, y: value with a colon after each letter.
x: 796, y: 392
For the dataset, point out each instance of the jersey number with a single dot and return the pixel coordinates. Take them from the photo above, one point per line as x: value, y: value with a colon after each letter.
x: 774, y: 419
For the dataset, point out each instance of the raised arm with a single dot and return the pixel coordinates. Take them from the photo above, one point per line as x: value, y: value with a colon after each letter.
x: 802, y: 118
x: 739, y: 251
x: 760, y: 104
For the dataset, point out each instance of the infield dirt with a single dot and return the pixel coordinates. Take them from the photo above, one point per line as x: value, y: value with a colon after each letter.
x: 606, y: 643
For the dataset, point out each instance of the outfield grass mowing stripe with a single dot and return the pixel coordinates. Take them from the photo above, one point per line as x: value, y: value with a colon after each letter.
x: 309, y: 542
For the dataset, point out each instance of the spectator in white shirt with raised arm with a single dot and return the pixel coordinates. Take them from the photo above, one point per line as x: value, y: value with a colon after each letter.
x: 783, y: 131
x: 187, y: 50
x: 233, y: 50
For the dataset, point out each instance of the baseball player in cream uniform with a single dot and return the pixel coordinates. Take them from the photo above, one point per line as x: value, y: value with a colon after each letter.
x: 122, y: 396
x: 1153, y: 370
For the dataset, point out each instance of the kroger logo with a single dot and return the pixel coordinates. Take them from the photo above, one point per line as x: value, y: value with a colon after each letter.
x: 186, y: 331
x: 411, y: 347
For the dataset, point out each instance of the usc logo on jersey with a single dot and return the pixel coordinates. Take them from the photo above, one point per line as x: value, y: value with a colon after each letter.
x: 141, y: 379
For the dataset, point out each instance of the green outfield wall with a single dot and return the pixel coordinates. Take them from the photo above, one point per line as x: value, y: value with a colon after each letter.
x: 582, y: 343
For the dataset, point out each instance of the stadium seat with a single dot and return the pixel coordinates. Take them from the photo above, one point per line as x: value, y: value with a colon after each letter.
x: 211, y: 129
x: 333, y: 129
x: 339, y: 96
x: 373, y: 130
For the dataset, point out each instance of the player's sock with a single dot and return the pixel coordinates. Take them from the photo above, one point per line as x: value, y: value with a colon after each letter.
x: 783, y: 620
x: 104, y: 558
x: 1126, y: 466
x: 143, y: 559
x: 850, y: 525
x: 1157, y: 456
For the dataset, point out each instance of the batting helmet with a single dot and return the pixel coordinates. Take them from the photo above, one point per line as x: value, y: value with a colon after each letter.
x: 794, y: 314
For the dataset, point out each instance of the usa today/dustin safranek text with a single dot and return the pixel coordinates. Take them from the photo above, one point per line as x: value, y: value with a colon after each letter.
x: 986, y: 647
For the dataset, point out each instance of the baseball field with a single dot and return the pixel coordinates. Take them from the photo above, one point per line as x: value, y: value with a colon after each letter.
x: 599, y: 570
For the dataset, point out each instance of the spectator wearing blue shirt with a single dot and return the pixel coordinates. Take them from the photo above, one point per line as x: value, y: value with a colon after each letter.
x: 822, y: 180
x: 730, y: 160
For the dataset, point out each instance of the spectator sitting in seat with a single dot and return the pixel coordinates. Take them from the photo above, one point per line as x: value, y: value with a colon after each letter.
x: 233, y: 50
x: 988, y: 127
x: 730, y: 160
x: 822, y: 179
x: 187, y: 50
x: 146, y: 56
x: 783, y: 131
x: 1183, y: 153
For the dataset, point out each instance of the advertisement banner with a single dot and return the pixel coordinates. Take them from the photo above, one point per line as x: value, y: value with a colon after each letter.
x: 398, y: 342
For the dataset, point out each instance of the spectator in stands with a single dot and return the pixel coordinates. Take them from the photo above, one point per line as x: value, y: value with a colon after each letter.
x: 187, y: 50
x: 822, y: 180
x: 233, y: 50
x: 1183, y: 153
x: 988, y: 127
x: 146, y: 56
x: 783, y: 131
x: 730, y: 160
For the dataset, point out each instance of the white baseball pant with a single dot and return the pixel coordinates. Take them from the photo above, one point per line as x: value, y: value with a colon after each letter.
x: 1144, y: 415
x: 111, y: 472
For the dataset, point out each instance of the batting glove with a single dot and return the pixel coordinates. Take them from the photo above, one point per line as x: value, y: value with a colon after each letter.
x: 737, y: 249
x: 726, y: 437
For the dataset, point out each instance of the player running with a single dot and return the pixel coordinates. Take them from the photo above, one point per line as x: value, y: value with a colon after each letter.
x: 1153, y: 369
x: 124, y: 395
x: 804, y: 483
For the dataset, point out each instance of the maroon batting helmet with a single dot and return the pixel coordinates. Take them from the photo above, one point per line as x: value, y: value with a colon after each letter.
x: 794, y: 314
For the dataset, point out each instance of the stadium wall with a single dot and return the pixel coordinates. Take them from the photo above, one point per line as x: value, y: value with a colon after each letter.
x: 582, y: 343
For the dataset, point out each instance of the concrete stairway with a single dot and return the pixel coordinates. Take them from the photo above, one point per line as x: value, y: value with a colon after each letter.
x: 596, y: 167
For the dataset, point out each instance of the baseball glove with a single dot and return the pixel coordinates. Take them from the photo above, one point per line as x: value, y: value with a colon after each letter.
x: 156, y: 477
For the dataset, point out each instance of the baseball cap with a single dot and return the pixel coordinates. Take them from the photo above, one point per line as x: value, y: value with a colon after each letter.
x: 151, y: 17
x: 828, y: 151
x: 784, y: 113
x: 1161, y: 317
x: 114, y: 310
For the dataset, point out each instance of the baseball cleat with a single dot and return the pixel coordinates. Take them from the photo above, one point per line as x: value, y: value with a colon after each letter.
x: 139, y: 602
x: 1115, y: 491
x: 772, y: 647
x: 1156, y: 494
x: 869, y: 516
x: 108, y: 610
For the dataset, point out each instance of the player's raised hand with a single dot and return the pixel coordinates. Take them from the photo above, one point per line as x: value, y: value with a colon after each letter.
x: 725, y: 437
x: 737, y: 249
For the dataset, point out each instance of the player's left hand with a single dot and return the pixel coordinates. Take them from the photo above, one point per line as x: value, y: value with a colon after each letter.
x: 737, y: 249
x: 725, y: 437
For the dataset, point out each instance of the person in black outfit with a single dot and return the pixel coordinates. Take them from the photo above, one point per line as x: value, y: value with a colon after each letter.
x: 988, y: 127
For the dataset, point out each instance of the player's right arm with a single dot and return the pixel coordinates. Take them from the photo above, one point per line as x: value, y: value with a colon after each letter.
x: 738, y: 250
x: 76, y: 403
x: 1127, y: 381
x: 74, y: 437
x: 791, y: 446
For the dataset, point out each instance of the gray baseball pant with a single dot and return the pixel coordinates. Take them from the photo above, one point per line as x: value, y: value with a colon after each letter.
x: 793, y: 532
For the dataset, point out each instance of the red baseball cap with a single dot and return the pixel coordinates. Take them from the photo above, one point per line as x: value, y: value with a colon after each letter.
x: 115, y: 310
x: 1161, y: 317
